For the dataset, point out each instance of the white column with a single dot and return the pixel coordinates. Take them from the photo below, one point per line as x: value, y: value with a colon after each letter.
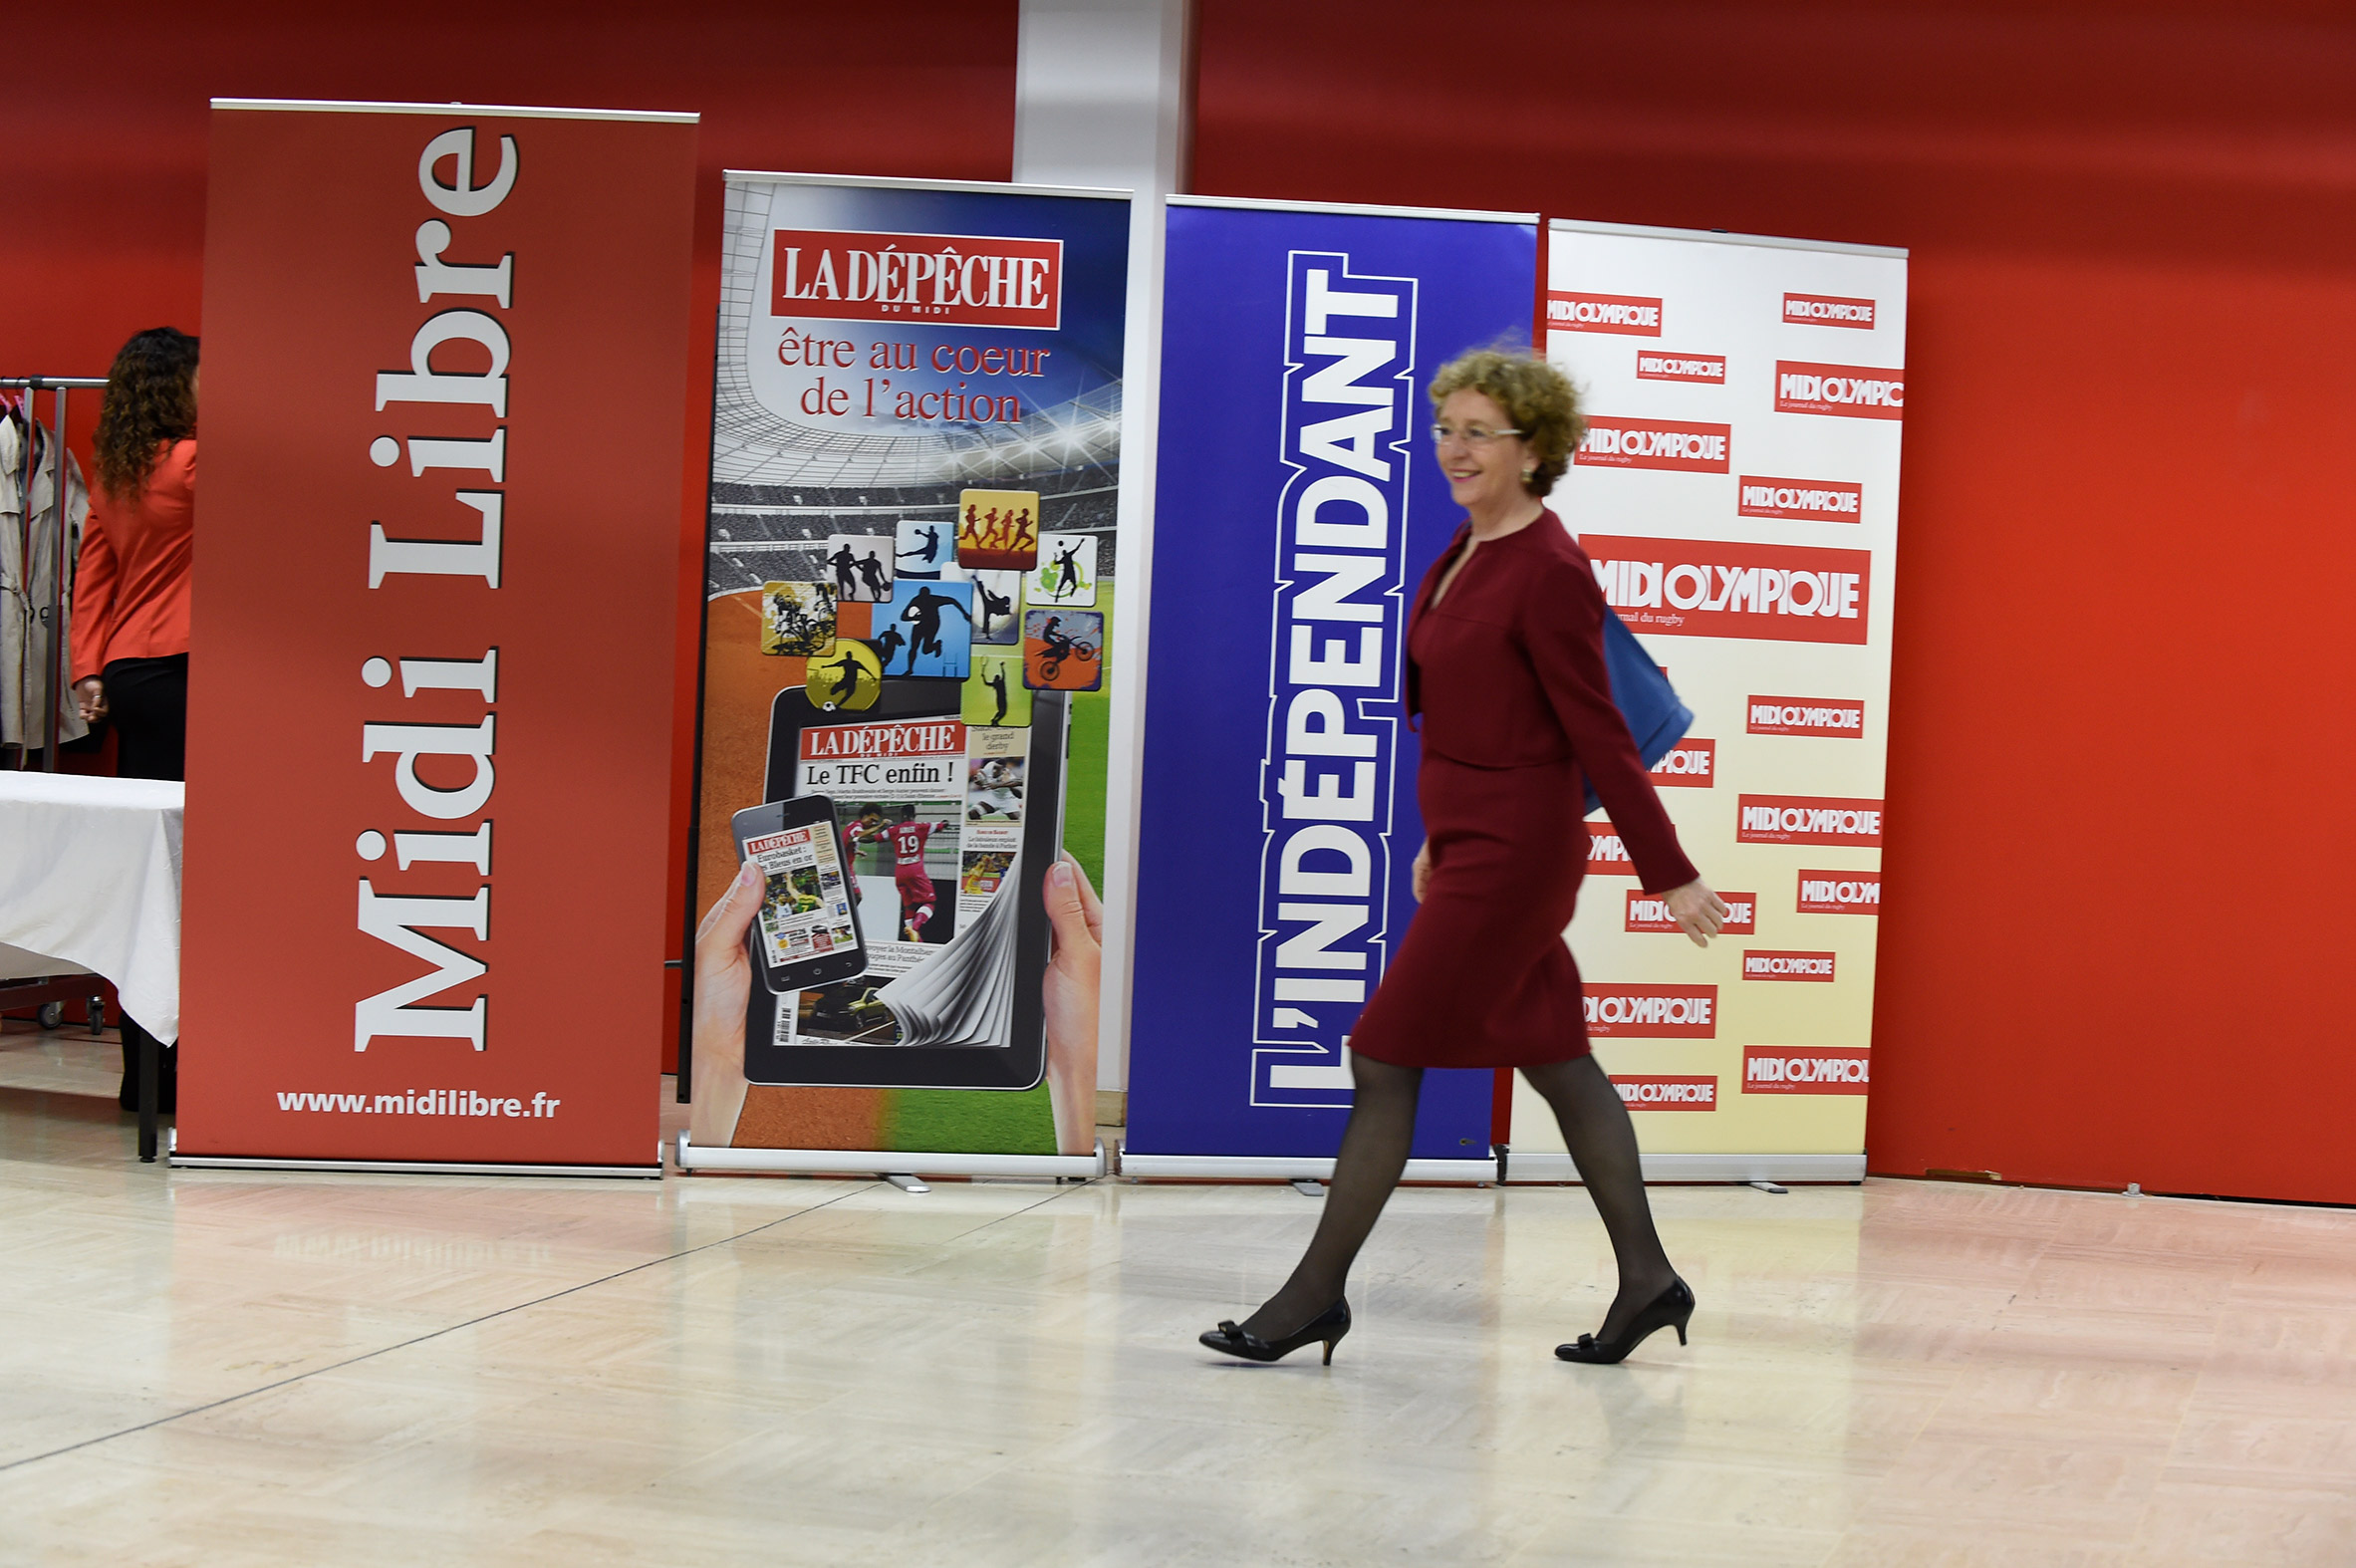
x: 1101, y: 99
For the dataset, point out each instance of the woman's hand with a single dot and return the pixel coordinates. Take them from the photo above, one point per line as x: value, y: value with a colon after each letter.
x: 1074, y: 980
x: 1422, y: 872
x: 723, y: 985
x: 90, y: 699
x: 1698, y: 912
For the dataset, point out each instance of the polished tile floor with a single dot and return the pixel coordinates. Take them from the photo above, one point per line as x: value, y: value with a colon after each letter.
x: 218, y: 1368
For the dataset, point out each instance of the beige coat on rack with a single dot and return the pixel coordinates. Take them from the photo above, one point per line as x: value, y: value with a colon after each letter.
x: 29, y: 573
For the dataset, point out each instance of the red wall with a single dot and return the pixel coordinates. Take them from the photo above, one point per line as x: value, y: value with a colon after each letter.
x: 2118, y: 768
x: 105, y: 116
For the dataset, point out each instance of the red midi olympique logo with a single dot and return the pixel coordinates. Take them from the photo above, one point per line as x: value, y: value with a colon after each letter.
x: 1655, y: 365
x: 1630, y: 315
x: 1719, y: 588
x: 1804, y: 500
x: 1804, y: 1070
x: 1693, y: 763
x: 1673, y: 446
x: 1853, y: 391
x: 1840, y: 893
x: 1668, y: 1092
x: 967, y: 280
x: 1605, y: 855
x: 1828, y: 310
x: 1651, y: 1012
x: 1842, y: 718
x: 1649, y: 912
x: 1808, y: 819
x: 1759, y: 964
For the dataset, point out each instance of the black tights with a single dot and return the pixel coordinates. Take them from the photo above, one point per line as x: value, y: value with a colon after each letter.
x: 1595, y: 1128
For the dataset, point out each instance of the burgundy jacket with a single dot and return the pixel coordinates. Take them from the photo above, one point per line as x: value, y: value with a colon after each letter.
x: 1512, y: 676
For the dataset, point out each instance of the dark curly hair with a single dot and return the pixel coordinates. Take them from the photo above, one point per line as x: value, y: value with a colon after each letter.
x: 150, y: 400
x: 1536, y: 396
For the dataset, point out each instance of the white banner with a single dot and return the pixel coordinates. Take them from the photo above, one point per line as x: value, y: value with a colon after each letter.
x: 1737, y: 492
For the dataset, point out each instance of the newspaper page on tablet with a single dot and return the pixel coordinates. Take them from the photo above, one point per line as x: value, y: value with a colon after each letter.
x: 930, y: 813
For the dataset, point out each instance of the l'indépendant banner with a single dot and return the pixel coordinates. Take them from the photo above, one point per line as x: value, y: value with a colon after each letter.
x: 909, y: 599
x: 1297, y: 506
x: 424, y: 907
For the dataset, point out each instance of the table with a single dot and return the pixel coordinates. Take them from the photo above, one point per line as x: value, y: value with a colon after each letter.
x: 90, y: 882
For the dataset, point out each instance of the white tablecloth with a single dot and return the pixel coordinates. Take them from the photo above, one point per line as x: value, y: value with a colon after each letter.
x: 90, y: 873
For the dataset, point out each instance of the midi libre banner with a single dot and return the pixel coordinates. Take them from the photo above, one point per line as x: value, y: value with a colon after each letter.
x: 910, y: 594
x: 1297, y: 507
x: 1738, y: 493
x: 427, y: 797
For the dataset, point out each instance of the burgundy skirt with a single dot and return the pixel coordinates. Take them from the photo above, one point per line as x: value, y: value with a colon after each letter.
x: 1483, y: 978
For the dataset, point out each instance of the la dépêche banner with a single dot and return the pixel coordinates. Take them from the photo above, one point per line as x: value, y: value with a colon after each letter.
x: 1297, y: 507
x: 910, y: 588
x: 1737, y: 494
x: 423, y: 913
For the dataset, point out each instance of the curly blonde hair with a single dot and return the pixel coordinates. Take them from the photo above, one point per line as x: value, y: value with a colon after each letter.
x: 151, y: 401
x: 1537, y: 398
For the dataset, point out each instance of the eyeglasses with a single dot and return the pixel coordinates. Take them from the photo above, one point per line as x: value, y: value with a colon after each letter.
x: 1472, y: 435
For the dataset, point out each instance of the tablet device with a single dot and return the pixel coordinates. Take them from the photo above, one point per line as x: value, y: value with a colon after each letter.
x: 947, y: 831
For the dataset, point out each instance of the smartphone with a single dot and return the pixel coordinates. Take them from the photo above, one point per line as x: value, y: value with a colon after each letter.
x: 806, y: 932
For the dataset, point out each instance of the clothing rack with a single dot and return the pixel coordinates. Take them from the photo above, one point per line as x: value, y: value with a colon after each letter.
x: 35, y: 386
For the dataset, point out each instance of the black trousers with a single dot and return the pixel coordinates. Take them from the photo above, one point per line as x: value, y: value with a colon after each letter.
x: 147, y: 703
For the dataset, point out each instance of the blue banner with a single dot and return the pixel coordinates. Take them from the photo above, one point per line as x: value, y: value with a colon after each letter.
x: 1298, y: 505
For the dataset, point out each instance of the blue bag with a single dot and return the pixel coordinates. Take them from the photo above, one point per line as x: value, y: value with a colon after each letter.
x: 1656, y: 718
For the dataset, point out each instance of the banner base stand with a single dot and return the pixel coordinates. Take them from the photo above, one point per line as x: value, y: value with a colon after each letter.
x: 1749, y: 1169
x: 882, y: 1164
x: 174, y: 1158
x: 1253, y: 1167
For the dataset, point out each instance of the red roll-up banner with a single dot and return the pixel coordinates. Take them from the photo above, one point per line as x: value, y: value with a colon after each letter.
x: 445, y: 361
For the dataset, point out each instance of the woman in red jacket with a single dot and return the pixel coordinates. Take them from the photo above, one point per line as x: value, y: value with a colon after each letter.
x: 130, y: 585
x: 1506, y: 665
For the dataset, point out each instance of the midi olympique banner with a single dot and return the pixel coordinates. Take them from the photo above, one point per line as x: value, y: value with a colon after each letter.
x: 1297, y: 507
x: 909, y: 594
x: 427, y: 818
x: 1737, y: 494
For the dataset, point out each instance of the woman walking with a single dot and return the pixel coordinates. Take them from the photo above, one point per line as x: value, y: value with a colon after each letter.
x: 1506, y: 667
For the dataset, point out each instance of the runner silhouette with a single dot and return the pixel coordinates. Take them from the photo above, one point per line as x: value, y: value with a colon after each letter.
x: 924, y: 612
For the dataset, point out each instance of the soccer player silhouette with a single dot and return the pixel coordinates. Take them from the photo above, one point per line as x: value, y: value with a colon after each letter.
x: 924, y: 612
x: 846, y: 674
x: 845, y: 564
x: 886, y: 647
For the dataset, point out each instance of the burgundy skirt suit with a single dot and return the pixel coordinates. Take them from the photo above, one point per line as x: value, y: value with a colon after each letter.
x: 1507, y: 672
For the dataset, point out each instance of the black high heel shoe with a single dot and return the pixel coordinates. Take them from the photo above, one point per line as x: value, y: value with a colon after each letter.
x: 1672, y: 1309
x: 1329, y: 1326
